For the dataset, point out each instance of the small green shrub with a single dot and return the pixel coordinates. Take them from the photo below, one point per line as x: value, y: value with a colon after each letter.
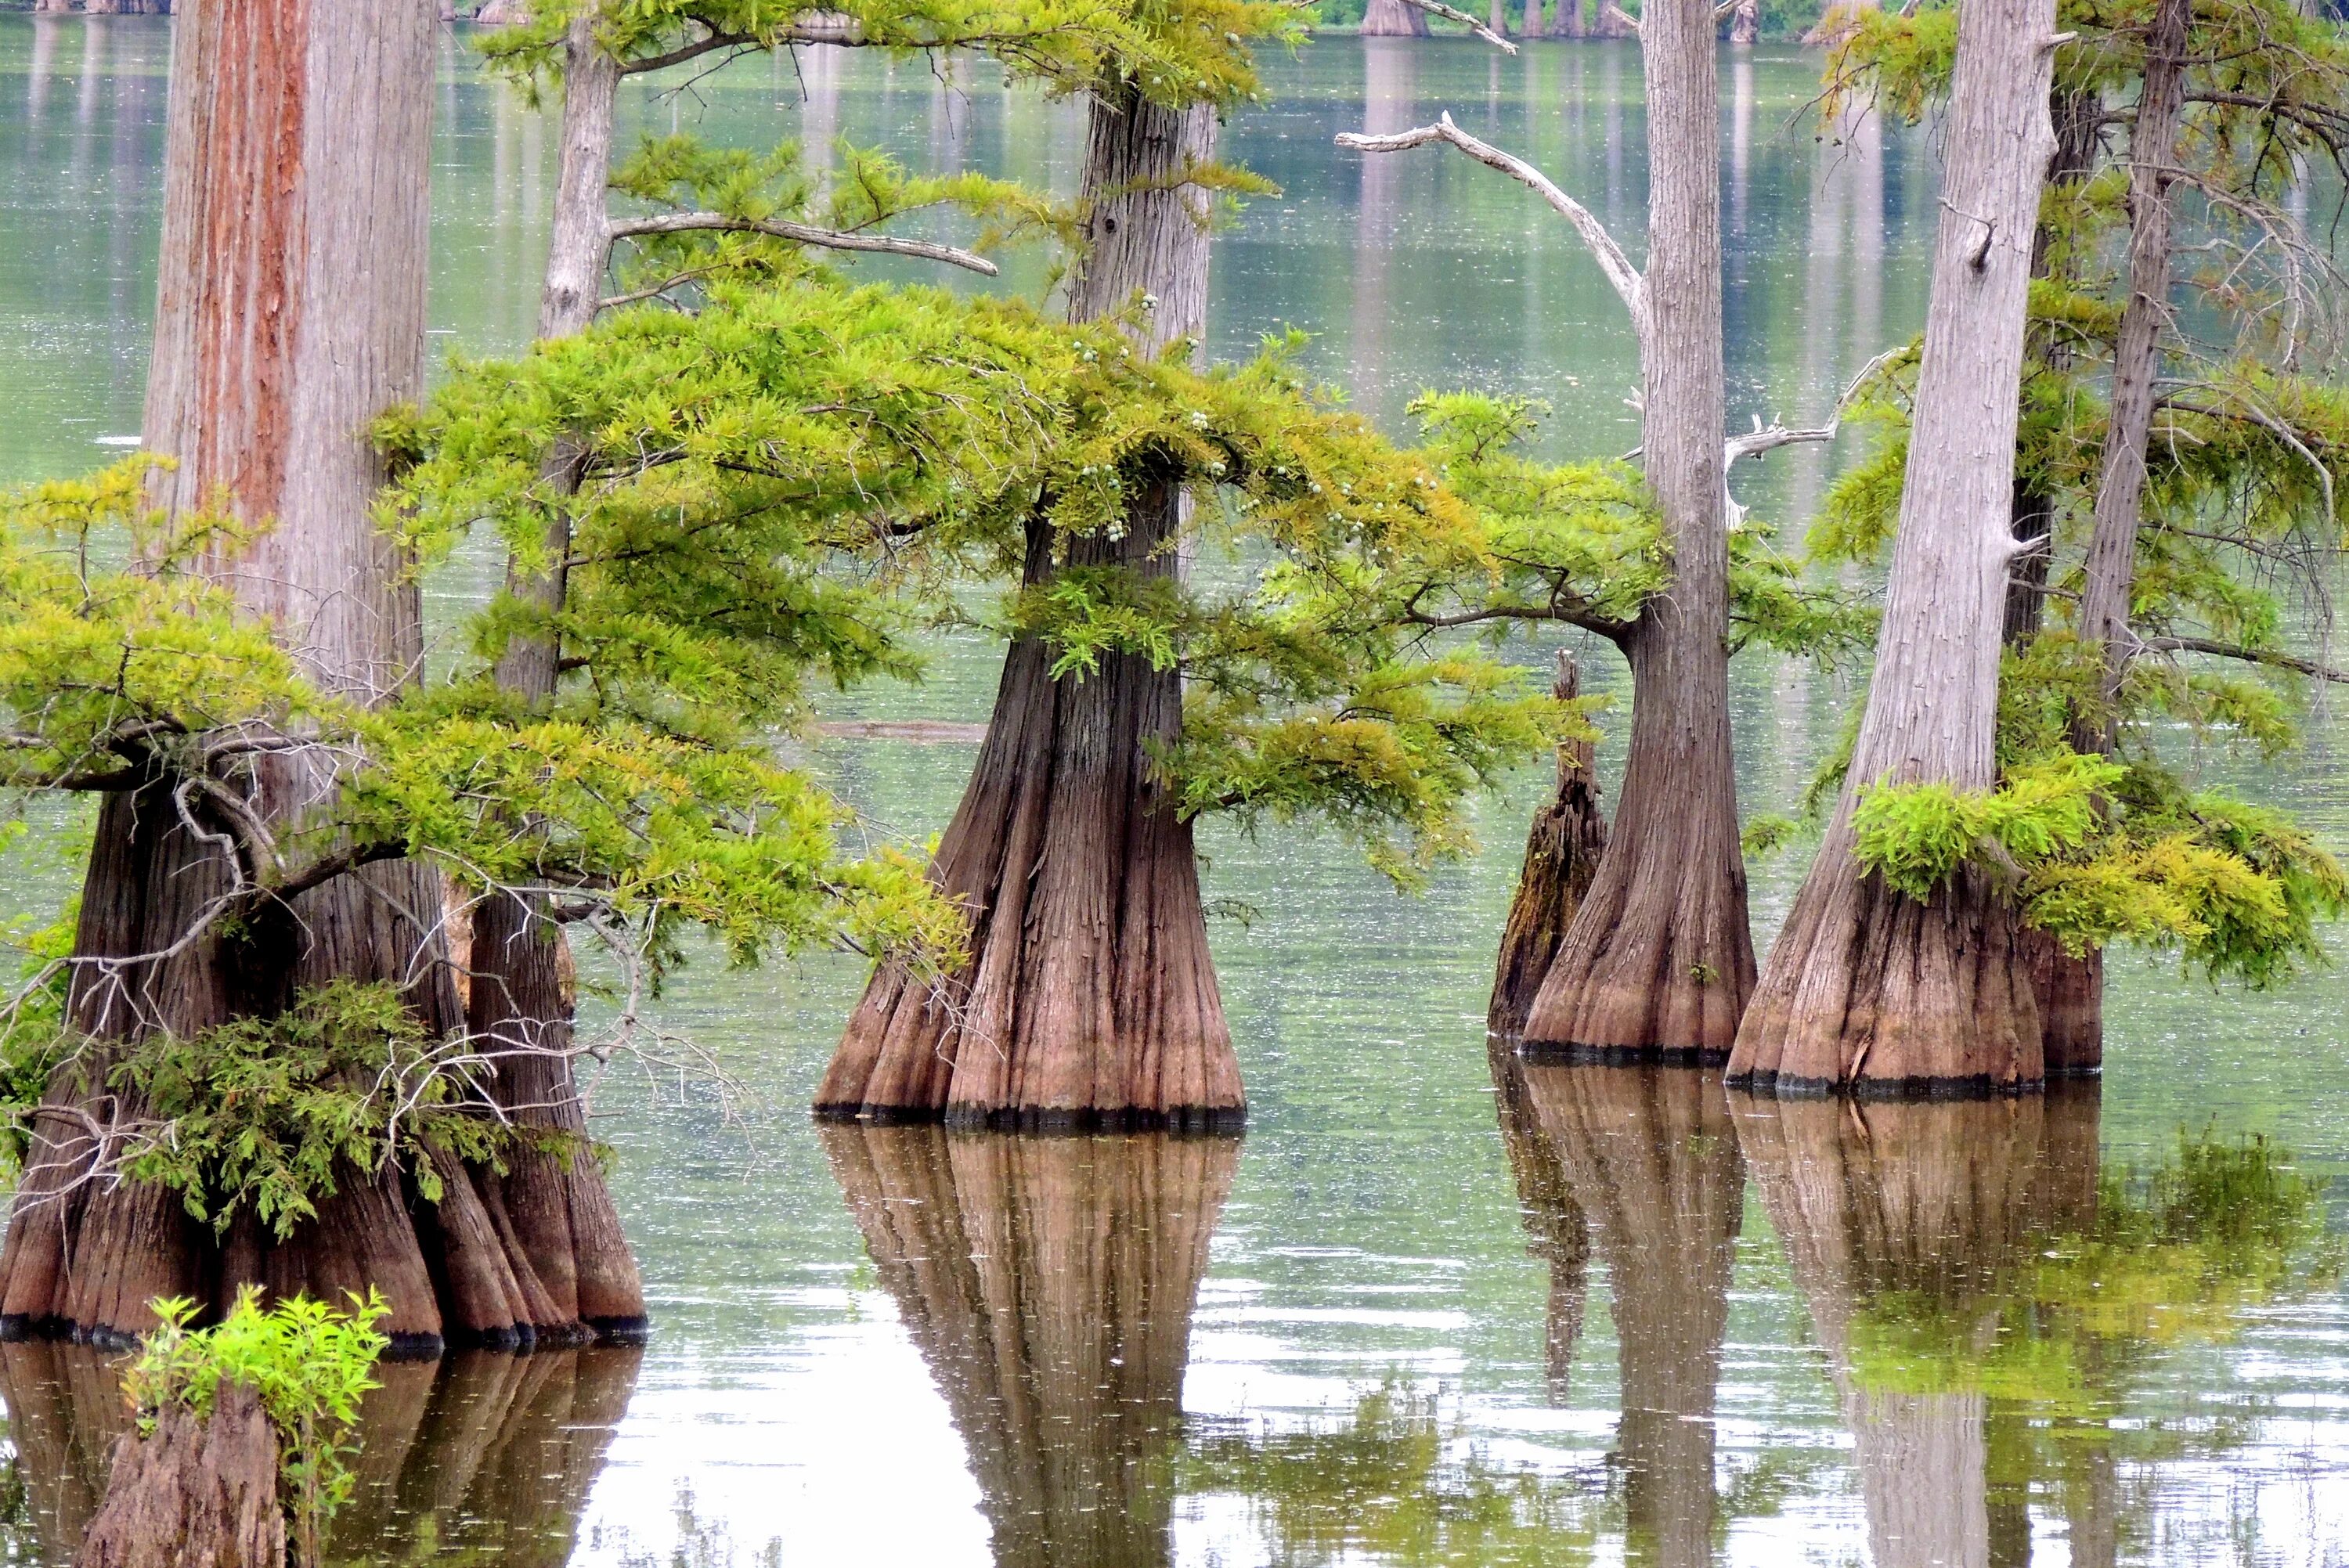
x: 308, y: 1363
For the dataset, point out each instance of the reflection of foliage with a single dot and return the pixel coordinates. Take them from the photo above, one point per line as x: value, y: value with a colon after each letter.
x: 2176, y: 1255
x: 1397, y: 1485
x: 700, y: 1543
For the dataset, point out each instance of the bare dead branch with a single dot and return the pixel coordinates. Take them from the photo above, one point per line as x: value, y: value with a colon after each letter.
x: 1610, y: 256
x: 2267, y: 656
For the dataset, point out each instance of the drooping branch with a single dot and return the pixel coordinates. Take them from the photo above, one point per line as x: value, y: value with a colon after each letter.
x: 1769, y: 438
x: 803, y: 234
x: 1610, y: 256
x: 1450, y: 14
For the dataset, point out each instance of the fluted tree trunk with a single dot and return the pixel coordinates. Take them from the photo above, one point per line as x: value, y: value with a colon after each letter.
x: 1048, y: 1283
x: 291, y: 312
x: 1866, y: 987
x: 1090, y: 998
x: 1659, y: 958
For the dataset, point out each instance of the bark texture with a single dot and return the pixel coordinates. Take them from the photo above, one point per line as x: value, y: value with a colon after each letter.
x: 290, y: 313
x: 481, y: 1454
x: 1048, y: 1284
x: 1922, y: 1211
x: 1659, y: 958
x: 1867, y: 990
x: 1090, y: 999
x: 1392, y: 19
x: 200, y: 1493
x: 1562, y: 852
x: 1651, y: 1158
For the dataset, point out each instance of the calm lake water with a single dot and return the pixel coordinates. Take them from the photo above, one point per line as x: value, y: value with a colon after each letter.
x: 1433, y: 1308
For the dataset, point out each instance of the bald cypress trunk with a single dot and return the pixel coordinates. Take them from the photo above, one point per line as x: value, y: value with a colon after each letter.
x: 1090, y: 998
x: 1392, y: 19
x: 291, y: 312
x: 199, y: 1490
x: 1659, y: 959
x: 1866, y: 989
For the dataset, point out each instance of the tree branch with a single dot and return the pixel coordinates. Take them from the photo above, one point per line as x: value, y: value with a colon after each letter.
x: 2309, y: 668
x: 1603, y: 249
x: 1438, y: 8
x: 803, y: 234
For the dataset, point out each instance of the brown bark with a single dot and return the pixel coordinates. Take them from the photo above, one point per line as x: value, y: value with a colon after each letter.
x: 200, y: 1493
x: 1090, y: 998
x: 1867, y: 990
x: 2069, y: 991
x: 1533, y: 19
x: 1651, y: 1159
x: 1928, y: 1210
x: 1392, y: 19
x: 479, y: 1453
x: 1558, y: 1233
x: 2104, y: 620
x: 1562, y: 851
x: 1496, y: 18
x: 1048, y: 1283
x: 1659, y: 958
x: 291, y: 312
x: 1746, y: 22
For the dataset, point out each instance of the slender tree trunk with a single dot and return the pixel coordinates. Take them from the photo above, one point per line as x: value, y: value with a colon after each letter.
x: 1090, y: 998
x: 1659, y: 958
x: 1866, y: 988
x: 1562, y: 853
x: 1651, y: 1159
x: 1392, y: 19
x: 1533, y: 19
x: 1048, y: 1284
x: 2103, y: 622
x: 2070, y: 991
x: 291, y: 312
x: 1746, y: 22
x: 556, y: 1206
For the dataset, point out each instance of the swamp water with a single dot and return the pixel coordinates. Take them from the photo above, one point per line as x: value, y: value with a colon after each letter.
x: 1434, y: 1307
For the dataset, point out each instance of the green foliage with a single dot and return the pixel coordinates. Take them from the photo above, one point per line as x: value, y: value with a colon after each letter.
x: 306, y: 1363
x: 1917, y: 835
x: 272, y: 1114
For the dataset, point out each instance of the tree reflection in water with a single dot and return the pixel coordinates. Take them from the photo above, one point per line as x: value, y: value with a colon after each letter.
x: 1987, y: 1293
x: 480, y: 1457
x: 1048, y: 1280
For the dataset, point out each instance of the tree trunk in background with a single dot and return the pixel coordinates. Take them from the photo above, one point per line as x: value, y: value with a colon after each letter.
x: 1866, y: 987
x: 1532, y: 21
x: 1651, y: 1159
x: 2070, y: 991
x: 291, y: 312
x: 1048, y: 1284
x: 557, y: 1208
x: 1392, y: 19
x: 1496, y: 18
x: 198, y: 1493
x: 1562, y: 851
x: 1926, y: 1213
x: 1659, y: 959
x: 1746, y: 22
x: 1559, y: 1234
x: 1090, y: 998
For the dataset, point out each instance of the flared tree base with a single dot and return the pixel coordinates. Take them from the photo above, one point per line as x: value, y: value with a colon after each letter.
x: 1873, y: 993
x: 2071, y: 996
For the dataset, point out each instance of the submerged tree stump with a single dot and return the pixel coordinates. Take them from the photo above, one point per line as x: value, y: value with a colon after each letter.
x: 199, y: 1493
x: 1562, y: 851
x: 1048, y: 1284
